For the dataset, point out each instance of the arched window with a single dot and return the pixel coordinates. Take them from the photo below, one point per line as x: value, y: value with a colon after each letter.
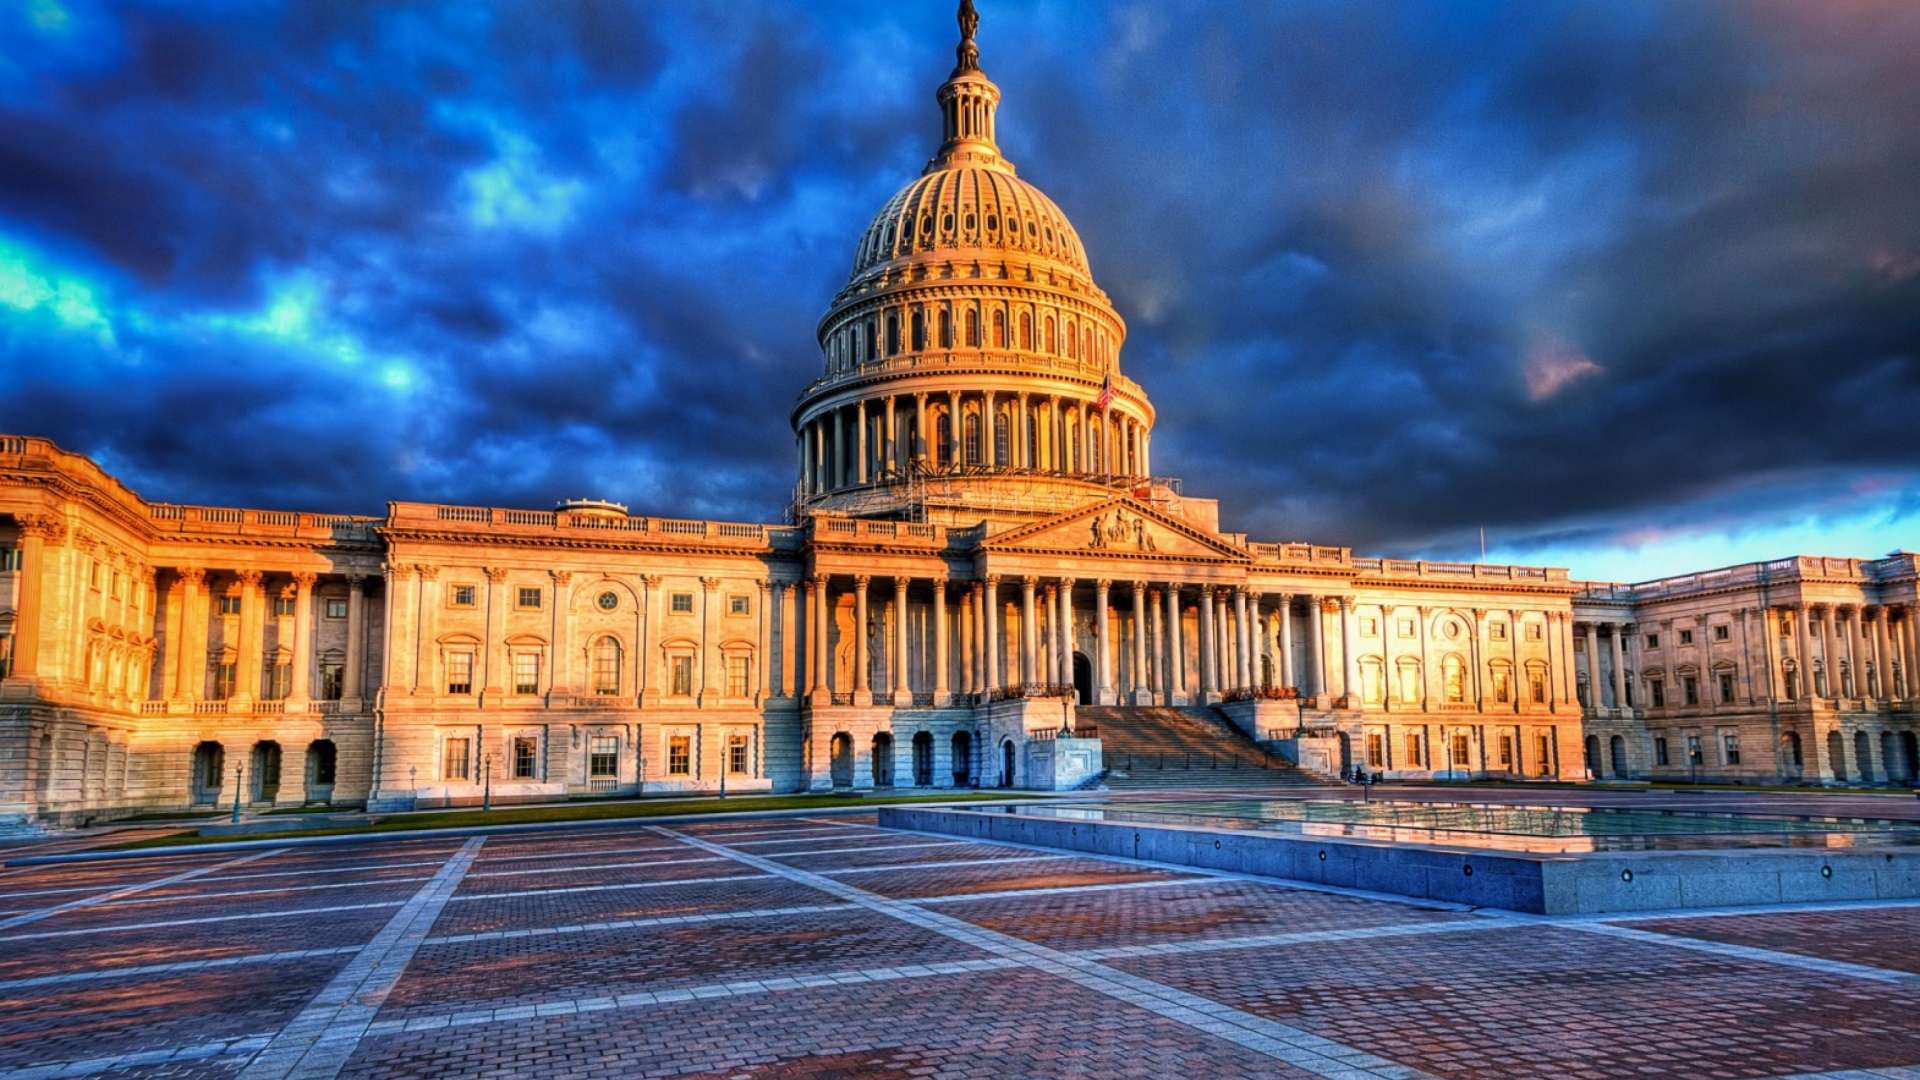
x: 1046, y: 334
x: 873, y: 343
x: 943, y: 442
x: 946, y: 329
x: 1086, y: 342
x: 1026, y: 330
x: 1371, y: 689
x: 605, y: 667
x: 973, y: 439
x: 1071, y: 353
x: 1031, y: 442
x: 893, y: 334
x: 919, y: 330
x: 1455, y: 674
x: 1000, y: 437
x: 973, y: 329
x: 999, y: 329
x: 1409, y: 681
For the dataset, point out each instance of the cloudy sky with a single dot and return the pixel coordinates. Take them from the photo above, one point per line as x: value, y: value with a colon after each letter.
x: 1632, y: 285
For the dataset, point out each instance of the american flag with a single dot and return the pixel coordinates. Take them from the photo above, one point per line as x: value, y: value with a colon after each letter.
x: 1106, y: 393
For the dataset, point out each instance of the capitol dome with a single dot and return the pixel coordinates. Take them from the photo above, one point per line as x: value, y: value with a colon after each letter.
x: 972, y: 366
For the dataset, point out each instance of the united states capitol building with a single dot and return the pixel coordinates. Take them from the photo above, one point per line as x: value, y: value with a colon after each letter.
x: 981, y: 582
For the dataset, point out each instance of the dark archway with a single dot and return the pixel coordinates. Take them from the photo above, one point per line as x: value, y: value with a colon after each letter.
x: 1617, y: 750
x: 1837, y: 755
x: 840, y: 760
x: 322, y: 759
x: 1082, y: 679
x: 962, y: 759
x: 1793, y: 758
x: 883, y: 760
x: 209, y: 768
x: 1890, y: 757
x: 1006, y: 763
x: 266, y: 771
x: 1863, y: 756
x: 1909, y: 757
x: 923, y: 759
x: 1593, y: 756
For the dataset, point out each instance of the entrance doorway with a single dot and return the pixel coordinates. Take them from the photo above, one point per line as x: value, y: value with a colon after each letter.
x: 1006, y: 763
x: 883, y: 760
x: 1082, y: 679
x: 840, y: 760
x: 923, y: 759
x: 209, y: 766
x: 962, y: 759
x: 322, y: 759
x: 266, y: 771
x: 1617, y: 749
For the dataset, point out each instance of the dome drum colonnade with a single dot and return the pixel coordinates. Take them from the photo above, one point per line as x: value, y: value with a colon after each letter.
x: 970, y: 338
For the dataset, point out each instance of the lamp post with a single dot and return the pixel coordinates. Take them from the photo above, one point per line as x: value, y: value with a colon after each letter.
x: 239, y: 781
x: 486, y: 802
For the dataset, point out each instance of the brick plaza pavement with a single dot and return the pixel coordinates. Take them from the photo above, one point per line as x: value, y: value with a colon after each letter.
x: 825, y: 948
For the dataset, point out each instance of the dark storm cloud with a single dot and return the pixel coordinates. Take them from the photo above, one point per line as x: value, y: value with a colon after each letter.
x: 1392, y: 271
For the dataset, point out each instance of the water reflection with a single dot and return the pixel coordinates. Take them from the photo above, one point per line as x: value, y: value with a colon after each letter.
x: 1544, y: 829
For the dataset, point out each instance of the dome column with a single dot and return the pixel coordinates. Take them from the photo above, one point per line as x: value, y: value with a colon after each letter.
x: 860, y: 440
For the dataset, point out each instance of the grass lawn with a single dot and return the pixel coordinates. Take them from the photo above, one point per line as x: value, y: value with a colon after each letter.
x: 592, y: 811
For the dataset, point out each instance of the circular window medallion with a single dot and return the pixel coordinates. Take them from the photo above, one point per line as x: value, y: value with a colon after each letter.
x: 609, y: 600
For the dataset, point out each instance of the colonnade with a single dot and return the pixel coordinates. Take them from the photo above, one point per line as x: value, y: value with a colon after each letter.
x: 875, y: 439
x: 187, y: 660
x: 1857, y: 663
x: 1017, y: 635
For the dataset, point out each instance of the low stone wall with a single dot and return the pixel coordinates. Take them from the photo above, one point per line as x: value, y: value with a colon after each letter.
x: 1587, y: 883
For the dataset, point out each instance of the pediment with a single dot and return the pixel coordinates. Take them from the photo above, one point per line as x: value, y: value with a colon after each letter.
x: 1120, y: 527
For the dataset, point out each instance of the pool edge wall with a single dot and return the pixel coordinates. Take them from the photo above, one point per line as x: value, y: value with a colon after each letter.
x: 1539, y: 884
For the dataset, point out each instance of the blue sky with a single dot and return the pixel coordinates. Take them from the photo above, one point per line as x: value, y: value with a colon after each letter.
x: 1633, y: 286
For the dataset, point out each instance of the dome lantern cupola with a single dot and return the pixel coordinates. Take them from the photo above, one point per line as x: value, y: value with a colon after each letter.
x: 972, y: 365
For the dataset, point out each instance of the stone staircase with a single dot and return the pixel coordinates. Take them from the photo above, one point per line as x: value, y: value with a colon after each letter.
x: 1155, y: 748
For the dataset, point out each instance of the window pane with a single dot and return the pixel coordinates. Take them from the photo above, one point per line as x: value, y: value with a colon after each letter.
x: 526, y: 758
x: 455, y: 759
x: 526, y: 673
x: 679, y: 755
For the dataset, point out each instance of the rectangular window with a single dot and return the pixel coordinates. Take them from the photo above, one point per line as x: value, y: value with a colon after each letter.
x: 1722, y: 633
x: 1653, y: 641
x: 1502, y: 692
x: 230, y: 605
x: 1657, y: 691
x: 526, y: 673
x: 1506, y: 752
x: 95, y: 577
x: 528, y: 597
x: 332, y: 681
x: 1690, y: 689
x: 739, y: 669
x: 1537, y: 686
x: 1686, y: 637
x: 1535, y: 632
x: 9, y: 560
x: 737, y: 754
x: 1660, y: 750
x: 603, y: 758
x: 460, y: 673
x: 1497, y: 631
x: 526, y: 757
x: 336, y: 609
x: 1406, y: 627
x: 456, y: 759
x: 682, y: 671
x: 1726, y: 687
x: 462, y: 596
x: 6, y: 655
x: 224, y: 678
x: 680, y: 755
x: 283, y: 606
x: 1369, y: 627
x: 1730, y: 745
x: 1462, y: 754
x: 683, y: 603
x: 1543, y: 755
x: 116, y: 585
x: 739, y: 605
x: 1376, y: 750
x: 280, y: 681
x: 1413, y: 750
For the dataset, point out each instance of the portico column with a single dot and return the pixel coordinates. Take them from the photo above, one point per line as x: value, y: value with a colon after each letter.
x: 764, y: 661
x: 1066, y: 635
x: 252, y: 635
x: 989, y: 446
x: 890, y: 450
x: 1029, y: 633
x: 1770, y: 642
x: 1317, y: 645
x: 1176, y: 680
x: 862, y: 660
x: 953, y: 427
x: 788, y: 683
x: 302, y: 689
x: 1595, y: 696
x: 1284, y: 610
x: 190, y: 671
x: 1882, y: 667
x: 816, y: 597
x: 1103, y: 664
x: 861, y: 455
x: 1620, y: 661
x: 1208, y: 630
x: 1156, y: 650
x: 990, y: 617
x: 902, y: 689
x: 837, y: 457
x: 1803, y: 649
x: 942, y: 694
x: 1856, y: 671
x: 919, y: 449
x: 1348, y: 648
x: 1912, y: 665
x: 1017, y: 438
x: 1830, y: 650
x: 1246, y: 653
x: 1139, y: 679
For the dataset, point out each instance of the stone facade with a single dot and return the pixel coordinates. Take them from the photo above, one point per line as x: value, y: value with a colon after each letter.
x: 979, y: 543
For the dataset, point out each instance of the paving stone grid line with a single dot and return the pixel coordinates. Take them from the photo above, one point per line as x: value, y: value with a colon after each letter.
x: 129, y: 890
x: 316, y: 1044
x: 1317, y: 1055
